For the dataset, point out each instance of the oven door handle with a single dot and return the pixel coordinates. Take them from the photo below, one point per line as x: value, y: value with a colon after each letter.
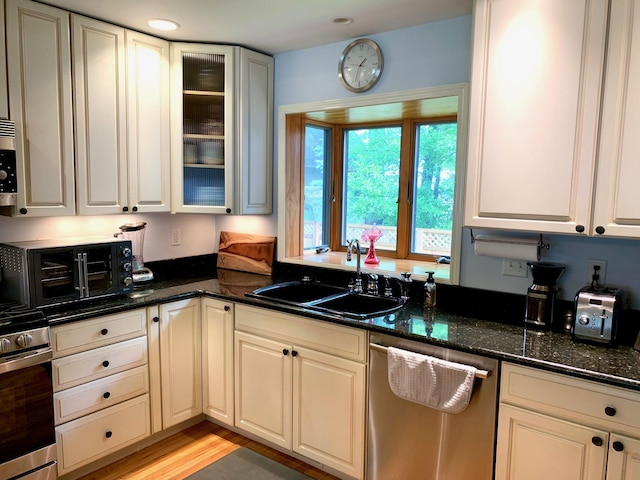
x: 36, y: 357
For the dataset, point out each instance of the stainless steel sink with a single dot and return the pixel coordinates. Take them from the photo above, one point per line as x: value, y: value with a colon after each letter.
x: 328, y: 299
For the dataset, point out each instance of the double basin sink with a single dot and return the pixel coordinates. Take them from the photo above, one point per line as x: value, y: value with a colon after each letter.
x: 329, y: 299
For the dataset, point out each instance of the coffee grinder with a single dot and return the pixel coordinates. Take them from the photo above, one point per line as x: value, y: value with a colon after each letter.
x: 142, y: 276
x: 541, y: 294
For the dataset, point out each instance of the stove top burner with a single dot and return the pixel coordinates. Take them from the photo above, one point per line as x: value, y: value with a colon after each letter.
x: 15, y: 317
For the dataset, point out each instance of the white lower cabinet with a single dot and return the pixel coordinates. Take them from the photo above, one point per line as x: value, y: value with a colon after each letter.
x: 217, y: 360
x: 175, y: 362
x: 101, y: 384
x: 534, y: 446
x: 300, y: 385
x: 556, y: 427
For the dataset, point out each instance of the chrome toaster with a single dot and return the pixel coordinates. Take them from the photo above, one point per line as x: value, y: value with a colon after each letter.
x: 596, y: 314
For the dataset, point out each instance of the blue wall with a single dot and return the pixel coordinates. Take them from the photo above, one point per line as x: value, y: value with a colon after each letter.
x: 436, y: 54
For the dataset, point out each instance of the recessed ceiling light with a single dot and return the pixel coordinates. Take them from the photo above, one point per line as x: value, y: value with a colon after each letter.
x: 162, y: 24
x: 342, y: 20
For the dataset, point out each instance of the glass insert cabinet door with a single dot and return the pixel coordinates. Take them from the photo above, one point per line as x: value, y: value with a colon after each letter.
x: 202, y: 99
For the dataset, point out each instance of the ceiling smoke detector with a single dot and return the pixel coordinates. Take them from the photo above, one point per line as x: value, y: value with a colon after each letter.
x: 342, y: 20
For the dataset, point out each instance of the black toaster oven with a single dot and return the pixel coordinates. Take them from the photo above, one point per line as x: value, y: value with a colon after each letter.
x: 51, y: 272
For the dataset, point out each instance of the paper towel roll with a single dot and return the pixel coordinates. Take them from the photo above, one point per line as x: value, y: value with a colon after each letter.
x: 503, y: 247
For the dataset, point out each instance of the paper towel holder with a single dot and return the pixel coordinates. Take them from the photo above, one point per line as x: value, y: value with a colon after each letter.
x: 541, y: 244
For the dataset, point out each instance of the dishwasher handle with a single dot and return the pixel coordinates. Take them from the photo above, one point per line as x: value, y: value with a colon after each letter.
x: 381, y: 348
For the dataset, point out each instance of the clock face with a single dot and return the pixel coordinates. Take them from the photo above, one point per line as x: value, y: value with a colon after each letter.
x: 360, y: 65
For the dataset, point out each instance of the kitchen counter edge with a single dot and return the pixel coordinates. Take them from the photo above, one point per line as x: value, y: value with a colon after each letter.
x: 556, y: 352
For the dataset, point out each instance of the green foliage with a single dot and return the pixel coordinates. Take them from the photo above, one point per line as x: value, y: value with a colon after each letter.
x: 372, y: 175
x: 435, y: 176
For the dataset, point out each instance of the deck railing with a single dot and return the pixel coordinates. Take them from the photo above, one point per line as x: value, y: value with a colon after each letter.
x: 430, y: 241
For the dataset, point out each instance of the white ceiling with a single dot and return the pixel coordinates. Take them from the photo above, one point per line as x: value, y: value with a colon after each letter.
x: 270, y: 26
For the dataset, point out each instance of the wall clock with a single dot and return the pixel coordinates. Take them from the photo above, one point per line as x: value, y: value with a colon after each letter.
x: 360, y: 65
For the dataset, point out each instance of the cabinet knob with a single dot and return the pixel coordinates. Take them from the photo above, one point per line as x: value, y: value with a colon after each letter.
x: 294, y: 353
x: 156, y: 319
x: 108, y: 434
x: 285, y: 351
x: 597, y: 441
x: 227, y: 308
x: 23, y: 211
x: 228, y: 210
x: 579, y: 228
x: 600, y: 230
x: 106, y: 394
x: 135, y: 209
x: 125, y: 209
x: 105, y: 364
x: 618, y: 446
x: 104, y: 331
x: 610, y: 411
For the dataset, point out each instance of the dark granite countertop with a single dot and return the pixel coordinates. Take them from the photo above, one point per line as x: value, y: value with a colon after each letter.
x: 557, y: 352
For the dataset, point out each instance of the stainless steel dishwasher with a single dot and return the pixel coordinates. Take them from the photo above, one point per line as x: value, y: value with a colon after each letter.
x: 409, y: 441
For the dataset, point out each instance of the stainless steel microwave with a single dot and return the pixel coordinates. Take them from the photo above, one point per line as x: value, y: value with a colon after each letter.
x: 52, y: 272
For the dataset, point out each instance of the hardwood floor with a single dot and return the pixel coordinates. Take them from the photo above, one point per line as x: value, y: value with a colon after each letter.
x: 186, y: 452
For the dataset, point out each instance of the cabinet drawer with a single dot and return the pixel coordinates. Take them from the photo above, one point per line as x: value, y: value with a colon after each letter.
x: 321, y: 336
x: 99, y: 394
x: 89, y: 438
x: 87, y: 334
x: 98, y: 363
x: 591, y: 403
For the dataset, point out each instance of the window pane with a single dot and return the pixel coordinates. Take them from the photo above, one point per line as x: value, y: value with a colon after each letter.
x: 434, y: 181
x: 371, y: 179
x: 316, y: 185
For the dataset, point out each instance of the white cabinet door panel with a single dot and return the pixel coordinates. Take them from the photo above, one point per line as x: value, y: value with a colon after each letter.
x: 217, y: 359
x: 617, y: 208
x: 263, y: 388
x: 148, y: 123
x: 624, y: 458
x: 100, y: 109
x: 534, y: 114
x: 532, y: 446
x: 40, y: 100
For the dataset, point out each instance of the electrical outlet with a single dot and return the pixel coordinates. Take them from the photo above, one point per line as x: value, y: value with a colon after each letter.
x: 602, y: 271
x: 514, y: 268
x: 176, y: 237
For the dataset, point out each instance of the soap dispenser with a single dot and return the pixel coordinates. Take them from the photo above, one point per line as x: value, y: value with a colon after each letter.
x: 430, y: 292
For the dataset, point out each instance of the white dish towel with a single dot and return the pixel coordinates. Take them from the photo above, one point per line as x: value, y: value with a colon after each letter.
x: 430, y: 381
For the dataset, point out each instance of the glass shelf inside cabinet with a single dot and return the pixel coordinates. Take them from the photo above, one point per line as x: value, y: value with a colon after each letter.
x: 203, y: 128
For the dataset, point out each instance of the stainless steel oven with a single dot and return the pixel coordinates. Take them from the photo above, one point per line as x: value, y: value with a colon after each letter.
x: 27, y: 431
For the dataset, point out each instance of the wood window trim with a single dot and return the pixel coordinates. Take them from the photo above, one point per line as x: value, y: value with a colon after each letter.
x: 295, y: 134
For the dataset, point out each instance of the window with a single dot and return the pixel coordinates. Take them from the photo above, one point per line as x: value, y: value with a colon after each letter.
x: 317, y: 181
x: 408, y: 196
x: 370, y: 183
x: 350, y: 164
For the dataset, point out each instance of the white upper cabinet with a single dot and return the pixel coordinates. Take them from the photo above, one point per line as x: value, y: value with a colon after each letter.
x: 121, y: 87
x: 40, y: 102
x: 222, y: 129
x: 617, y: 205
x: 100, y: 115
x: 254, y: 132
x: 536, y: 79
x: 148, y: 123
